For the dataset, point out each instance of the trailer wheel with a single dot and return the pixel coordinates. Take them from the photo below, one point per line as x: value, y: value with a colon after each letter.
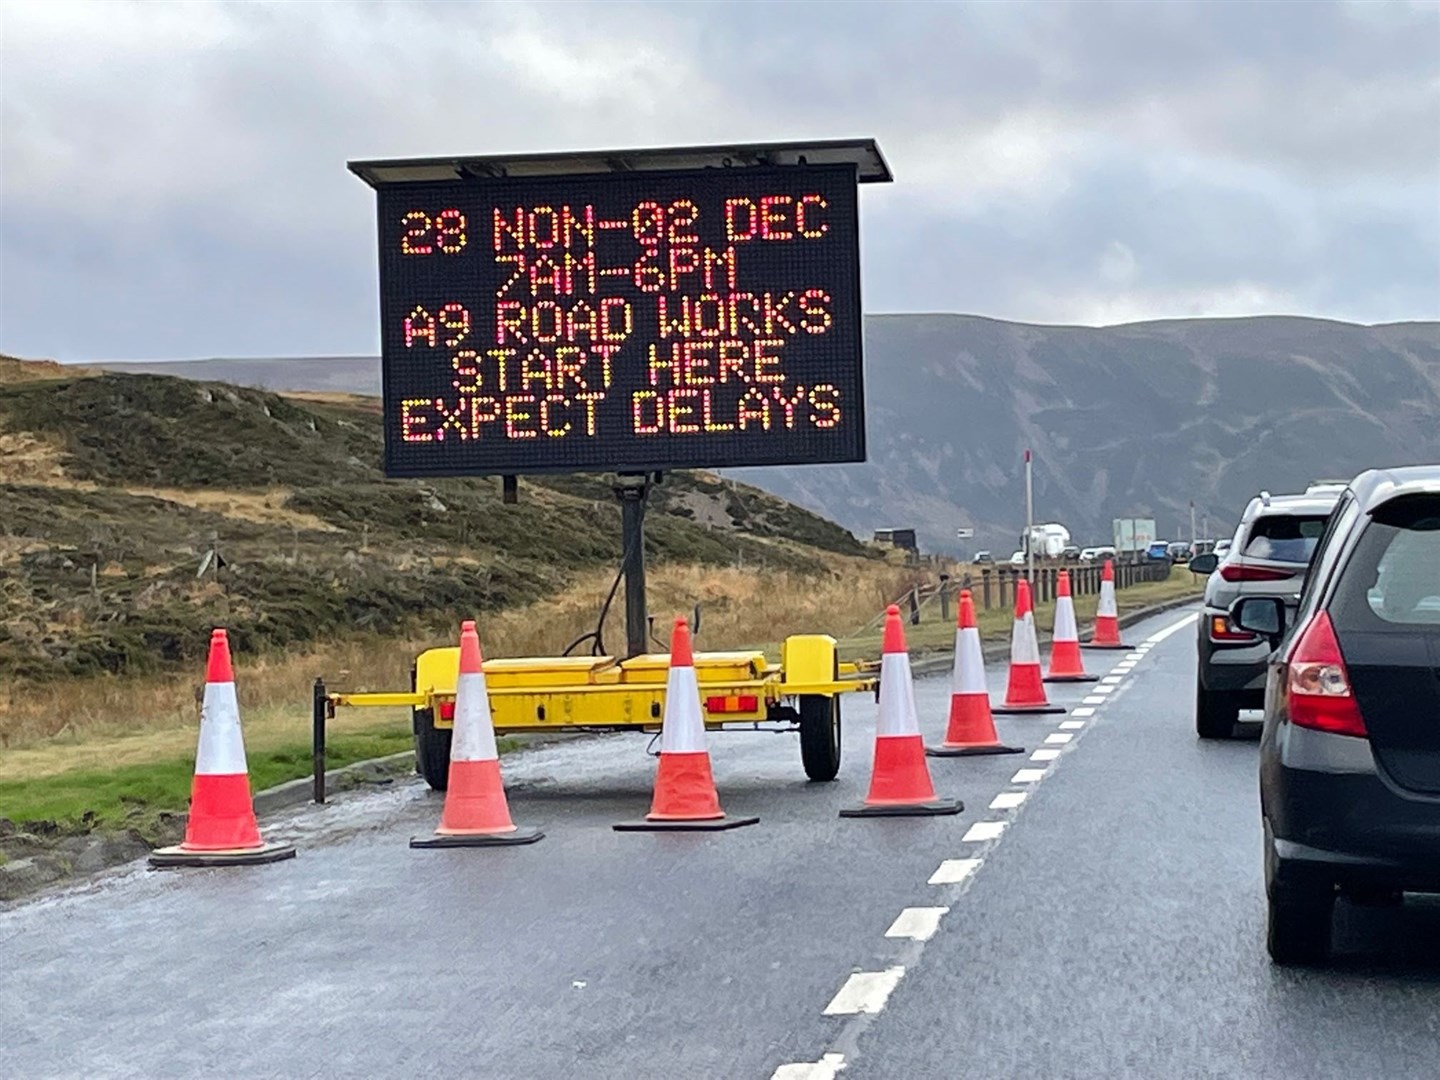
x: 432, y: 750
x: 820, y: 736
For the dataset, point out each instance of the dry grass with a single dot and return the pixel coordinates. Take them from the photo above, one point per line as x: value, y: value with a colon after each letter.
x: 66, y: 725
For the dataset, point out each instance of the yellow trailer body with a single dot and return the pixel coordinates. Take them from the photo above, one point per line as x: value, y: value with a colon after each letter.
x: 585, y: 693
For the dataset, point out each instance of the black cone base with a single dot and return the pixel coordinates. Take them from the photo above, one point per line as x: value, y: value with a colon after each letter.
x: 1071, y: 678
x: 1112, y: 648
x: 167, y: 857
x: 1026, y: 710
x: 448, y: 840
x: 985, y: 750
x: 706, y: 825
x: 928, y: 809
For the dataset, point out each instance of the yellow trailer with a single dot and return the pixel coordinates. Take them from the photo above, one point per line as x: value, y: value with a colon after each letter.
x: 603, y: 693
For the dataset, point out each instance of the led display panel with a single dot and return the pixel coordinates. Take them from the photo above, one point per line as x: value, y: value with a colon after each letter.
x: 621, y: 321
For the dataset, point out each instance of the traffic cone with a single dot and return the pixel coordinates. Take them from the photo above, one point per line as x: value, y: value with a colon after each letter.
x: 1066, y: 664
x: 1107, y: 622
x: 221, y: 828
x: 1025, y: 690
x: 685, y: 797
x: 972, y: 729
x: 476, y: 813
x: 900, y: 781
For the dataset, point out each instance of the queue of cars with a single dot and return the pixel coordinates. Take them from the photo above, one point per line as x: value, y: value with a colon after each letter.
x: 1333, y: 596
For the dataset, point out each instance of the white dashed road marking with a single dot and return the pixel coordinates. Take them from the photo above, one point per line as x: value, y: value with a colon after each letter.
x: 827, y: 1068
x: 917, y: 923
x: 982, y: 831
x: 954, y: 871
x: 865, y: 992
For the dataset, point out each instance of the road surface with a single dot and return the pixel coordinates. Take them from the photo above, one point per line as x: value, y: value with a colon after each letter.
x: 1093, y: 913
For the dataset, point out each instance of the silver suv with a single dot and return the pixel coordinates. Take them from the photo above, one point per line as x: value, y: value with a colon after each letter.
x: 1269, y: 556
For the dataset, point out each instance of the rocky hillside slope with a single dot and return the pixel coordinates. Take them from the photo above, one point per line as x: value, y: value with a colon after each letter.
x: 115, y: 488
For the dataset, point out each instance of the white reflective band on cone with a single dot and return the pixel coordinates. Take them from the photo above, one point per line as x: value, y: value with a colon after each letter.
x: 1106, y: 606
x: 897, y: 697
x: 683, y: 731
x: 1065, y: 628
x: 968, y: 675
x: 474, y: 737
x: 1024, y: 646
x: 222, y: 748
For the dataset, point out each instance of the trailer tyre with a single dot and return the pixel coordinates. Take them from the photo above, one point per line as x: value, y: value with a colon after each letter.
x: 432, y: 750
x: 820, y: 736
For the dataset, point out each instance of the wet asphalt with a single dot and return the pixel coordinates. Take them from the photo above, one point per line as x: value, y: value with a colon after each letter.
x: 1113, y: 929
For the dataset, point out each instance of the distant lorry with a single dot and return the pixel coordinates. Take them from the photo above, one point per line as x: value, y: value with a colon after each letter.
x: 1048, y: 541
x: 1133, y: 536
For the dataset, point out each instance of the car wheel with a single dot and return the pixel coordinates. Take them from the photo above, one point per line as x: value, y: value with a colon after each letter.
x: 1215, y: 714
x: 1297, y: 930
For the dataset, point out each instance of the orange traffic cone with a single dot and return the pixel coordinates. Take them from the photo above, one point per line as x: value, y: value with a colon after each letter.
x: 1107, y: 622
x: 685, y: 796
x: 221, y: 829
x: 972, y: 728
x: 1066, y: 664
x: 1025, y: 690
x: 900, y: 782
x: 476, y: 813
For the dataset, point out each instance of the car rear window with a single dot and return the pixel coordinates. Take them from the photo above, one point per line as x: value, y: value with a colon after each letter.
x: 1285, y: 537
x: 1394, y: 575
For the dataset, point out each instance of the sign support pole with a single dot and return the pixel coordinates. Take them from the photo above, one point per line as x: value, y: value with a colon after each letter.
x: 1029, y: 523
x: 633, y: 491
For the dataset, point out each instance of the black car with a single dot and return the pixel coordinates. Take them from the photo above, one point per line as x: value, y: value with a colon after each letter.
x: 1350, y: 754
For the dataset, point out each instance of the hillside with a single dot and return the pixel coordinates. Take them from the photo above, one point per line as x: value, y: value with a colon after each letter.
x: 1124, y: 420
x: 115, y: 488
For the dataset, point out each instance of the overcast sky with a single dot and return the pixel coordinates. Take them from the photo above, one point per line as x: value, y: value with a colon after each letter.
x: 174, y: 179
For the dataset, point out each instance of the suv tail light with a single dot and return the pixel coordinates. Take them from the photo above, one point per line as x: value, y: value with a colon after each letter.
x: 1241, y: 572
x: 1222, y: 629
x: 1317, y: 684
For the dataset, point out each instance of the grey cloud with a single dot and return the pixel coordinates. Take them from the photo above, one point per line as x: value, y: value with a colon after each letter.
x: 182, y: 184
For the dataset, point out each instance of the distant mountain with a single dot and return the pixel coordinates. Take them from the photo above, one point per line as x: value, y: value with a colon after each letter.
x: 1133, y: 420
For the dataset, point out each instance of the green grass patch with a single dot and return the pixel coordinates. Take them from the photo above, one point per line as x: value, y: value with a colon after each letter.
x: 134, y: 796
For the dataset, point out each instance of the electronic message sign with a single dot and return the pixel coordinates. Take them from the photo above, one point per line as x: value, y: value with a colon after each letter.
x: 621, y: 321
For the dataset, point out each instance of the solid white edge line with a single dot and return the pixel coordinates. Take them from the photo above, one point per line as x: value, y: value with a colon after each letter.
x: 1007, y: 800
x: 865, y: 992
x: 916, y: 923
x: 982, y: 831
x: 827, y: 1068
x: 954, y: 871
x: 1173, y: 628
x: 1028, y: 776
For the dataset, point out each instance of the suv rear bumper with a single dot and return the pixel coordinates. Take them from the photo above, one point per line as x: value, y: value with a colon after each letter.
x: 1346, y: 827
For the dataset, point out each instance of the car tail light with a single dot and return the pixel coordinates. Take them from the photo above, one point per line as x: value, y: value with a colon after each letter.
x: 1317, y: 684
x: 1241, y: 572
x: 1222, y: 629
x: 732, y: 703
